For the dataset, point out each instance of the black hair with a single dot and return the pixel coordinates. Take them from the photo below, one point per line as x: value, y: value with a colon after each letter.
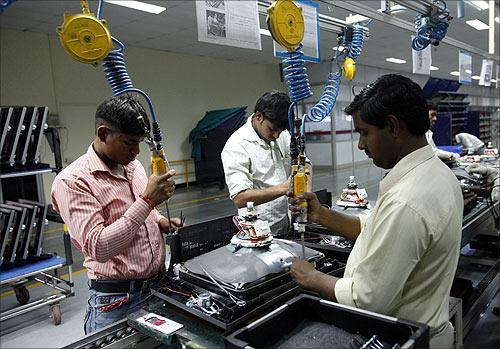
x: 432, y: 106
x: 392, y: 94
x: 122, y: 112
x: 274, y: 107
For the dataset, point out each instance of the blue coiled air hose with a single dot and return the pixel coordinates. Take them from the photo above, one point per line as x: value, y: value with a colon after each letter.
x: 329, y: 97
x: 429, y: 30
x: 356, y: 44
x: 296, y: 79
x: 117, y: 75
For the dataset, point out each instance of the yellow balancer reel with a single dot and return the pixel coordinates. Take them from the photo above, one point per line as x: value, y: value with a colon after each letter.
x: 349, y: 68
x: 84, y: 37
x: 286, y: 23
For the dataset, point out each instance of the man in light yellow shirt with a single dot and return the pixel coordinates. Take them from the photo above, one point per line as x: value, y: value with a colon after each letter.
x: 406, y: 251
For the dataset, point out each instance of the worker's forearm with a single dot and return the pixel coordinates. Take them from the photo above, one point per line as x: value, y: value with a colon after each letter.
x: 259, y: 196
x: 324, y: 285
x: 347, y: 225
x: 105, y: 243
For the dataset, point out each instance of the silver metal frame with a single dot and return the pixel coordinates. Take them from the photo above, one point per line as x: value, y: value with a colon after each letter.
x: 17, y: 132
x: 50, y: 281
x: 25, y: 136
x: 5, y: 126
x: 38, y: 128
x: 32, y: 214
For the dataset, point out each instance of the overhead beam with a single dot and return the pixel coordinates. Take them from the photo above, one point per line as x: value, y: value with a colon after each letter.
x: 360, y: 8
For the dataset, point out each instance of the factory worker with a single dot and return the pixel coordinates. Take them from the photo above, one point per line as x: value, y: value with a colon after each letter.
x: 108, y: 204
x: 442, y: 154
x: 406, y: 251
x: 470, y: 142
x: 256, y: 161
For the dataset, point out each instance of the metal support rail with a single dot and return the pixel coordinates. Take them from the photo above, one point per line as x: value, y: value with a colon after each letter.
x: 367, y: 11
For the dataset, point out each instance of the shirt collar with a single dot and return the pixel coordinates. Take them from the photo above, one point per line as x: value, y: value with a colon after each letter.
x: 251, y: 135
x: 405, y: 165
x: 97, y: 165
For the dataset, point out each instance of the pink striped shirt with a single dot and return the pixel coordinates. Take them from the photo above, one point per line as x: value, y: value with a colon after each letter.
x: 114, y: 228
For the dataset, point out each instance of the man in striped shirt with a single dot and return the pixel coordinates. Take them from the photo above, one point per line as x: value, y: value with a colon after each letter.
x: 108, y: 204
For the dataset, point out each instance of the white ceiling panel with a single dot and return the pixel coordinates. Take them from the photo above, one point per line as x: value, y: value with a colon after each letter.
x: 175, y: 31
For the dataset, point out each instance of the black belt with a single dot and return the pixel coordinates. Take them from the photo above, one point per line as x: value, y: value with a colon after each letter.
x: 121, y: 286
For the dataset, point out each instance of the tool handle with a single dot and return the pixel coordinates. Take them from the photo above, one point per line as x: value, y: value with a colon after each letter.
x: 158, y: 162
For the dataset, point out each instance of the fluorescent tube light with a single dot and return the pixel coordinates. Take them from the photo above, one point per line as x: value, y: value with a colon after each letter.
x: 477, y: 24
x: 264, y: 32
x: 351, y: 19
x: 138, y: 5
x: 475, y: 77
x: 455, y: 73
x: 434, y: 68
x: 493, y: 80
x: 479, y: 4
x: 395, y: 60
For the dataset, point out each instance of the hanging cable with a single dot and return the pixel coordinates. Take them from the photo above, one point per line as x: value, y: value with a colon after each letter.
x: 117, y: 75
x: 120, y: 82
x: 353, y: 43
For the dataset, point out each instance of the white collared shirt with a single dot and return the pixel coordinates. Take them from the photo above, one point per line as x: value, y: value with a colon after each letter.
x: 405, y: 258
x: 442, y: 154
x: 251, y: 163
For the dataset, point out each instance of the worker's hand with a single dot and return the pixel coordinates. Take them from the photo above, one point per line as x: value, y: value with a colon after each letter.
x: 285, y: 186
x: 475, y: 168
x: 304, y: 274
x: 488, y: 173
x: 313, y: 205
x: 160, y: 188
x: 165, y: 225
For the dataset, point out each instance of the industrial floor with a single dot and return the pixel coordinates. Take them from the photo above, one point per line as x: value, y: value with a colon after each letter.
x: 201, y: 203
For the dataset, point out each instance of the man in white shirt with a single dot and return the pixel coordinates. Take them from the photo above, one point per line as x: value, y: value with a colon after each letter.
x: 256, y: 160
x: 442, y: 154
x: 406, y: 251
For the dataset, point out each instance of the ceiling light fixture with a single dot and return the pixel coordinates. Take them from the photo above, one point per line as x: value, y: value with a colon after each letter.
x: 479, y: 4
x: 351, y: 19
x: 475, y: 77
x: 477, y: 24
x: 264, y: 32
x: 434, y: 68
x: 395, y: 60
x: 138, y: 5
x: 455, y: 73
x: 493, y: 80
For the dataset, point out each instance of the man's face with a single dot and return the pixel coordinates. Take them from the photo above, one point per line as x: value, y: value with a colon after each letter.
x: 120, y: 147
x: 265, y: 129
x: 432, y: 117
x: 377, y: 143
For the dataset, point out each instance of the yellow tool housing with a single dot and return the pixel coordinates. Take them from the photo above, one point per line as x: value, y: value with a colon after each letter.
x: 299, y: 182
x: 286, y: 23
x: 158, y: 162
x: 349, y: 68
x: 84, y: 37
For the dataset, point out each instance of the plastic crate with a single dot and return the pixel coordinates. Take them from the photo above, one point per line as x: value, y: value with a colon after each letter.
x: 270, y: 330
x: 197, y: 239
